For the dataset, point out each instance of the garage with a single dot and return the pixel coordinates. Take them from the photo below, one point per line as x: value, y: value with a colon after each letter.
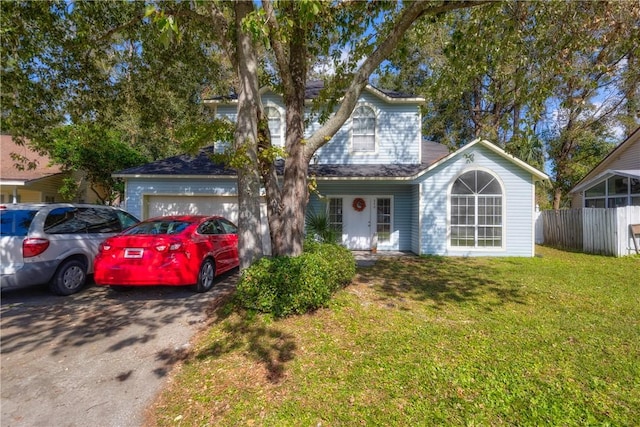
x: 226, y: 206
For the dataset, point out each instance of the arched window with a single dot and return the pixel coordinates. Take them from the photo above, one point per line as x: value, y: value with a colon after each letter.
x: 364, y: 129
x: 476, y: 211
x: 275, y: 125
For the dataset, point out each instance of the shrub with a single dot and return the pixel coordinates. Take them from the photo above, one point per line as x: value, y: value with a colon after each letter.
x: 295, y: 285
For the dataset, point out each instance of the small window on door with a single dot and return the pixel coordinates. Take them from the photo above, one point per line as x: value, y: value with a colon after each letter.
x: 335, y: 215
x: 383, y: 219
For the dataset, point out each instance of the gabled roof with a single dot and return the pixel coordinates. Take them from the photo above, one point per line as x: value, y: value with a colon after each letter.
x: 533, y: 171
x: 11, y: 175
x: 603, y: 168
x: 313, y: 88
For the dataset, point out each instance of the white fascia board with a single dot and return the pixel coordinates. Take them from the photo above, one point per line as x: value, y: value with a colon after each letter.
x: 413, y: 100
x: 603, y: 175
x: 15, y: 182
x: 143, y: 176
x: 541, y: 176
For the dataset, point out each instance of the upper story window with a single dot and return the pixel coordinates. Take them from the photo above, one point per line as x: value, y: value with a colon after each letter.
x: 614, y: 192
x: 476, y: 211
x: 364, y: 129
x: 275, y: 126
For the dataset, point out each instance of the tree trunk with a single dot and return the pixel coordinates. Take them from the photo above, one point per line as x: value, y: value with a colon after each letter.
x: 246, y: 142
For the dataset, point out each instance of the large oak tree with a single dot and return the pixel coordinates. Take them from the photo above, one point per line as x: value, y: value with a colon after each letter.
x: 101, y: 62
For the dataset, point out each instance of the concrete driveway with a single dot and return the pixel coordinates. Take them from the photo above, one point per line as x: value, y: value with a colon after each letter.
x: 96, y: 358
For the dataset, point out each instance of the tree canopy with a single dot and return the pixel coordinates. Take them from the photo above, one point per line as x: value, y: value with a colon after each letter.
x: 548, y: 81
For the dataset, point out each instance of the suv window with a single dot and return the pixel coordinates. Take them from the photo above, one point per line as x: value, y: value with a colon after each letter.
x: 16, y: 222
x: 126, y: 219
x: 72, y: 220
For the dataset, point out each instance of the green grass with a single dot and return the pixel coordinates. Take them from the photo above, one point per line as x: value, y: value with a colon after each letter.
x: 551, y: 340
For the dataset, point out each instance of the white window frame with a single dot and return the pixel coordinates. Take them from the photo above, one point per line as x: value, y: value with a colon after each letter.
x: 609, y: 199
x: 476, y: 197
x: 388, y: 241
x: 277, y: 138
x: 374, y: 136
x: 338, y: 225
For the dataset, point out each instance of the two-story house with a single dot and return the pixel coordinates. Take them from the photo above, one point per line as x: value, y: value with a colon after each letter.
x: 379, y: 182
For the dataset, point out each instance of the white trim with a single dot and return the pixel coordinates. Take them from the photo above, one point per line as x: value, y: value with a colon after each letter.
x: 632, y: 139
x: 533, y: 171
x: 372, y: 90
x: 376, y: 130
x: 503, y: 246
x: 165, y: 176
x: 281, y: 111
x: 371, y: 199
x: 603, y: 176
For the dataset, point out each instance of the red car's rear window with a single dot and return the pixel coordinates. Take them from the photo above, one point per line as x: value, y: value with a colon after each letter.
x: 158, y: 227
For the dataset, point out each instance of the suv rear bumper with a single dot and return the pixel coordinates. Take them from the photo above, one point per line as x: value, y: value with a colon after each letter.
x: 27, y: 274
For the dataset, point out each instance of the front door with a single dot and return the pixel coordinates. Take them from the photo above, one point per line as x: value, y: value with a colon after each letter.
x: 357, y: 223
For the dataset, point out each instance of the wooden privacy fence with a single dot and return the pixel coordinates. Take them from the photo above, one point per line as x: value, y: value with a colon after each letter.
x: 592, y: 230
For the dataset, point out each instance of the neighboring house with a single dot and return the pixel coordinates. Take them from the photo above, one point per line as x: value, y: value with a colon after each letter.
x: 33, y: 184
x: 615, y: 181
x: 381, y: 185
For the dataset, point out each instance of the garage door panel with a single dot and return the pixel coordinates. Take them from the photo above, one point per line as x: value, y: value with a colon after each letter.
x: 226, y: 206
x: 193, y: 205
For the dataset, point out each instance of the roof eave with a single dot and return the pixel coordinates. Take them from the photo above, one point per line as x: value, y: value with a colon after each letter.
x: 604, y: 174
x: 161, y: 176
x: 540, y: 176
x: 391, y: 100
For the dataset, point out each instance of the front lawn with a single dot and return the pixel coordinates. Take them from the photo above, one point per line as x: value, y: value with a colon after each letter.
x: 551, y: 340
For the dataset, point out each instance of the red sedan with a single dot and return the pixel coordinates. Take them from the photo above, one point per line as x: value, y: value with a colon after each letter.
x: 171, y: 250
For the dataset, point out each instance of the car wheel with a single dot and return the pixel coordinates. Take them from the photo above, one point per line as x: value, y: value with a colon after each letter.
x: 69, y: 279
x: 205, y: 276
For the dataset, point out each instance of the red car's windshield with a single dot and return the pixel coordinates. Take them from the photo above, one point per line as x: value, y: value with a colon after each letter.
x: 158, y: 227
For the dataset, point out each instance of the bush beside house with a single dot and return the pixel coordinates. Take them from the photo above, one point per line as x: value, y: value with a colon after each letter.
x: 293, y: 285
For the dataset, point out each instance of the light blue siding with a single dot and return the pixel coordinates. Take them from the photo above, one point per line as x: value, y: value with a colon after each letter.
x: 415, y: 219
x: 398, y: 132
x: 518, y: 196
x: 398, y: 136
x: 138, y: 188
x: 402, y: 204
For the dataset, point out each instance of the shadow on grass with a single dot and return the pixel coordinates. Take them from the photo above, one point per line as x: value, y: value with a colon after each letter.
x: 267, y: 345
x: 441, y: 280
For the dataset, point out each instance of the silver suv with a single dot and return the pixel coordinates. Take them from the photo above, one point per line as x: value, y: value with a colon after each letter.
x: 54, y: 243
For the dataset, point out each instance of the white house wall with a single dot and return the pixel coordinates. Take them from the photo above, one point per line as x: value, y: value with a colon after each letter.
x: 518, y: 202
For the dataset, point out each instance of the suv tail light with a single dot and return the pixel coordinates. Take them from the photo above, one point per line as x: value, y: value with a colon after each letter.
x: 34, y: 246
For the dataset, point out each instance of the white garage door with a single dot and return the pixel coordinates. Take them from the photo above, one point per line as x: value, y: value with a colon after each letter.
x: 226, y: 206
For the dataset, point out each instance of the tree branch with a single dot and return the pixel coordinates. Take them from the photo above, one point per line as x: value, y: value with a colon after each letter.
x: 409, y: 15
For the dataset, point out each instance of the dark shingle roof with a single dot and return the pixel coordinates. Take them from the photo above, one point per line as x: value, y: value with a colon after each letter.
x: 201, y: 165
x: 313, y: 88
x: 184, y: 164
